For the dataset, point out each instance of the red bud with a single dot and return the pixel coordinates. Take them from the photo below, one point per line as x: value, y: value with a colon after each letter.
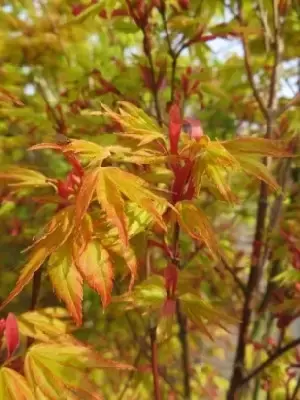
x: 11, y: 334
x: 175, y: 123
x: 193, y: 128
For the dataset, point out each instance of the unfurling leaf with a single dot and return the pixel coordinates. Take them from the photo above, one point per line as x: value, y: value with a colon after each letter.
x: 195, y: 223
x: 67, y: 280
x: 13, y: 386
x: 175, y: 124
x: 95, y: 267
x: 11, y: 334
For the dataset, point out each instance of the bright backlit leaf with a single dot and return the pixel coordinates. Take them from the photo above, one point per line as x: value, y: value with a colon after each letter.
x: 96, y: 268
x: 67, y: 281
x: 195, y: 223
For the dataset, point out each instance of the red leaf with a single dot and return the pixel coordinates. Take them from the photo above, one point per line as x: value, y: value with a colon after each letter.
x: 175, y: 123
x: 11, y: 334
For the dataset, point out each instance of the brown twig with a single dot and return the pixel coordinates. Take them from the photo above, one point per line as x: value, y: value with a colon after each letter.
x: 255, y: 270
x: 278, y: 353
x: 172, y: 53
x: 185, y: 354
x: 182, y: 323
x: 234, y: 275
x: 154, y: 363
x: 296, y: 391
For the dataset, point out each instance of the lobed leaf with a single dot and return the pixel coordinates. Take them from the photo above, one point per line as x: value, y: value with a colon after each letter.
x: 18, y: 177
x: 195, y: 223
x: 110, y: 198
x: 45, y: 324
x: 58, y: 369
x: 13, y: 386
x: 67, y: 280
x: 257, y: 146
x: 95, y: 266
x: 255, y: 168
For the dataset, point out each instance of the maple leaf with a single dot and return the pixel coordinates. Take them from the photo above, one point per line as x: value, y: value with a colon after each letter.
x: 95, y: 266
x: 135, y: 121
x: 195, y: 223
x: 54, y: 235
x: 204, y: 314
x: 257, y: 146
x: 45, y: 324
x: 19, y: 178
x: 13, y: 386
x: 67, y: 280
x: 85, y: 148
x: 110, y: 184
x: 57, y: 369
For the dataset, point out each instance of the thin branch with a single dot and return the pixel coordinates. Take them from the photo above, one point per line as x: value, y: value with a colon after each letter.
x: 250, y: 76
x: 154, y: 363
x: 296, y: 390
x: 185, y: 355
x: 148, y: 54
x: 130, y: 377
x: 182, y: 323
x: 262, y: 13
x: 172, y: 53
x: 280, y: 352
x: 256, y: 270
x: 277, y: 58
x: 293, y: 102
x: 234, y: 275
x: 36, y: 288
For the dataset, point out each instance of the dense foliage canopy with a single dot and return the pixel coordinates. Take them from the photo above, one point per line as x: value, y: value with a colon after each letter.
x: 149, y: 211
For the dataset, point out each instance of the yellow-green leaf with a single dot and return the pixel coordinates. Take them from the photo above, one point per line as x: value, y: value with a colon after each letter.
x: 67, y: 280
x: 138, y: 191
x: 111, y: 200
x: 96, y: 268
x: 257, y: 146
x: 55, y: 369
x: 18, y: 177
x: 45, y: 324
x: 86, y: 193
x: 195, y: 223
x: 255, y: 168
x: 13, y: 386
